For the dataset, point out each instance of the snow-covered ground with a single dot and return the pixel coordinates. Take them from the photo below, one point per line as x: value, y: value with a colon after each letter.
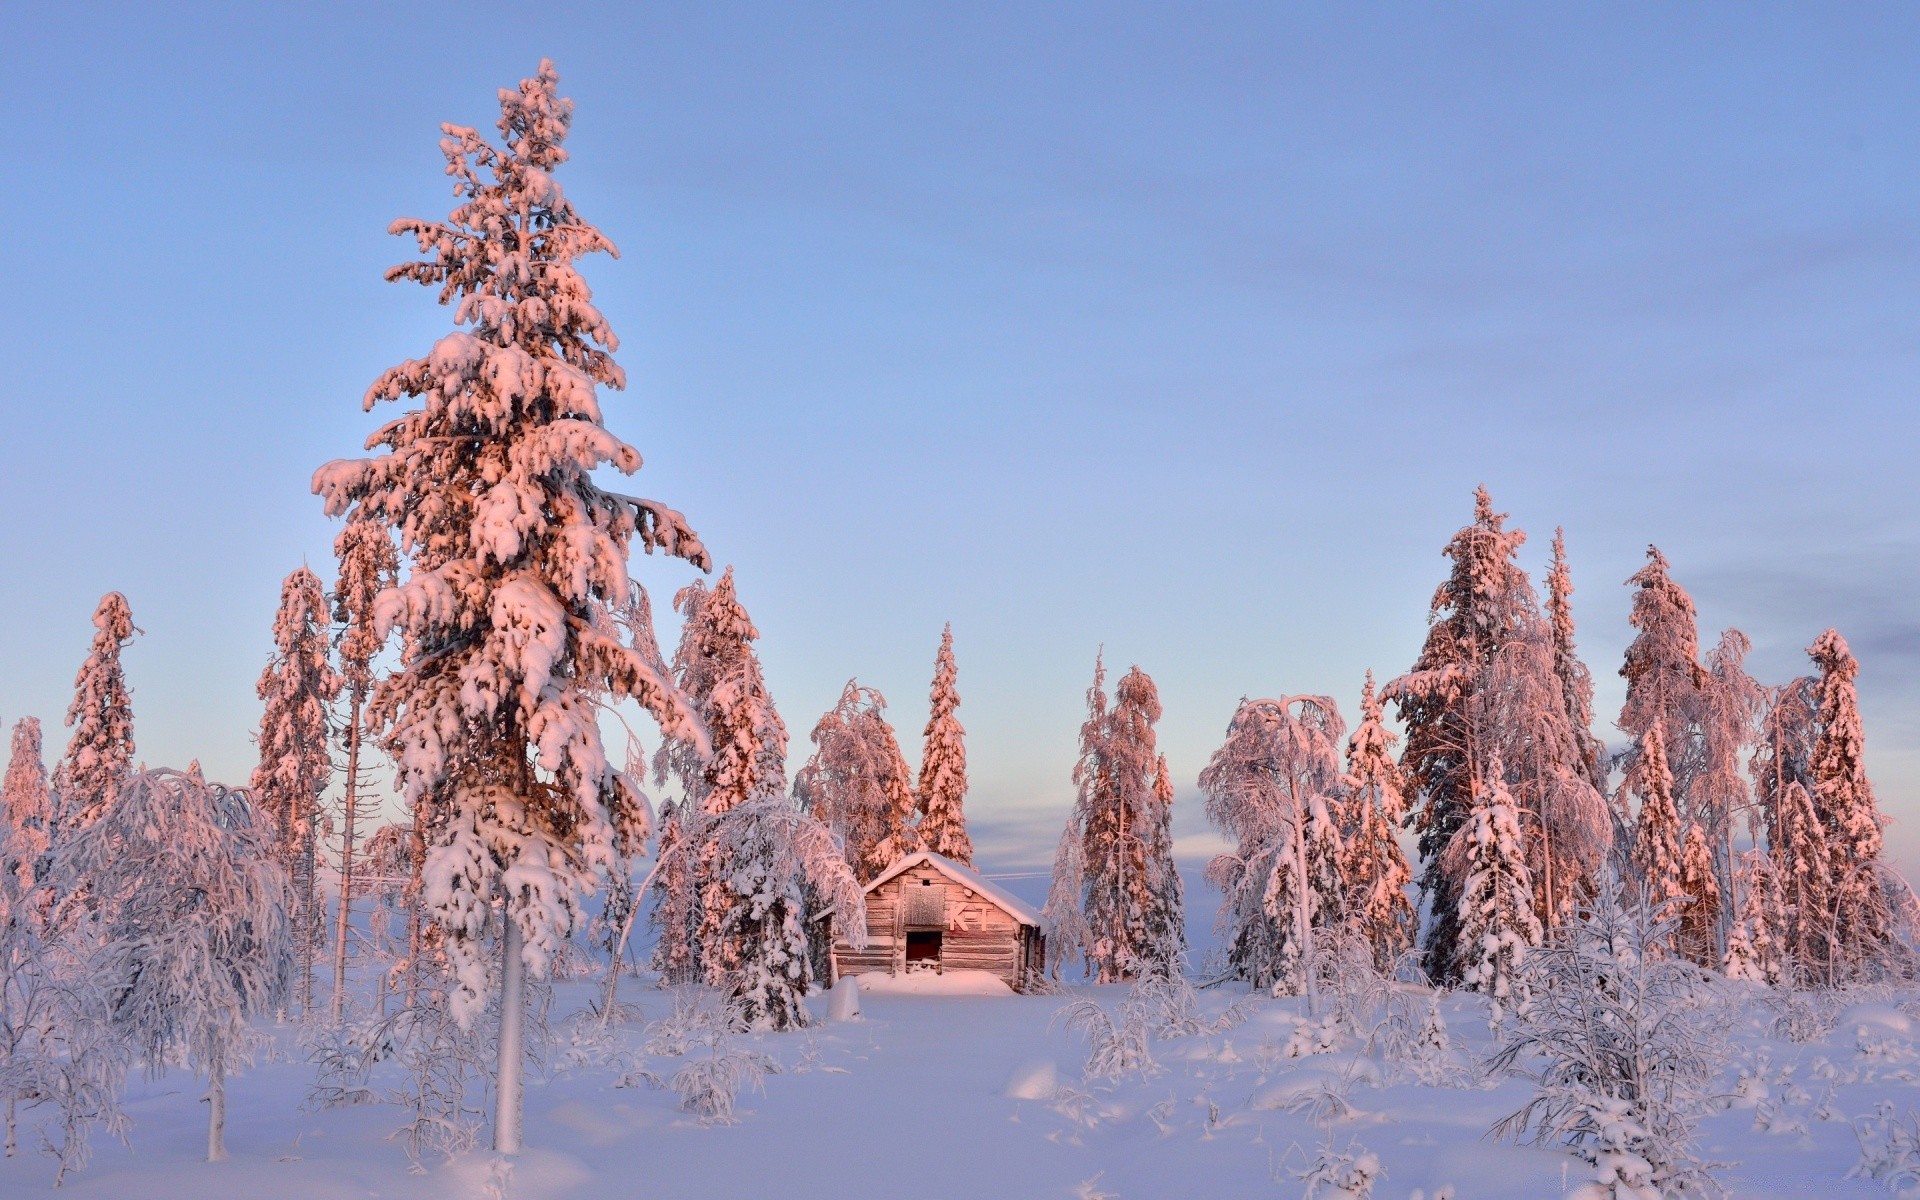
x: 935, y: 1092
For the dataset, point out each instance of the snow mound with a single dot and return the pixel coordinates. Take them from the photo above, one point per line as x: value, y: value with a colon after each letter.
x: 929, y: 983
x: 843, y: 1002
x: 1879, y: 1018
x: 1035, y: 1079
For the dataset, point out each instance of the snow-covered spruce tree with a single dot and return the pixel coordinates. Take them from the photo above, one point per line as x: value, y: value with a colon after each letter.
x: 1576, y: 682
x: 299, y: 687
x: 676, y: 908
x: 1062, y: 920
x: 61, y: 1066
x: 1800, y: 858
x: 1273, y: 787
x: 1706, y: 712
x: 1657, y: 832
x: 1498, y: 927
x: 1167, y: 903
x: 1623, y: 1054
x: 1374, y: 872
x: 1663, y: 672
x: 1109, y: 924
x: 774, y: 858
x: 1520, y: 709
x: 194, y: 907
x: 26, y: 804
x: 1729, y: 722
x: 1114, y: 808
x: 1470, y: 618
x: 1844, y: 800
x: 1753, y: 949
x: 1804, y: 869
x: 748, y: 763
x: 857, y: 782
x: 1783, y: 753
x: 1486, y: 685
x: 1698, y: 935
x: 100, y: 753
x: 516, y: 557
x: 1123, y: 879
x: 943, y: 765
x: 369, y: 564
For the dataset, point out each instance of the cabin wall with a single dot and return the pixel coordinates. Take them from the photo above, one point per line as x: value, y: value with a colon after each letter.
x: 978, y: 935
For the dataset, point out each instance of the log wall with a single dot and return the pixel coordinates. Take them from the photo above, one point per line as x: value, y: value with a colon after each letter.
x: 978, y: 934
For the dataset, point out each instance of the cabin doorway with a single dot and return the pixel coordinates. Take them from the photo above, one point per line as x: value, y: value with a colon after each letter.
x: 923, y: 949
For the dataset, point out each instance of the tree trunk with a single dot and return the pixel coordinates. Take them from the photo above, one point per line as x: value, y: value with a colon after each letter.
x: 416, y: 867
x: 346, y: 862
x: 217, y: 1113
x: 1302, y: 923
x: 506, y: 1114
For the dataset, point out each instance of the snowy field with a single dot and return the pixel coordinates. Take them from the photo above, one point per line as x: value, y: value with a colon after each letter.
x: 934, y: 1092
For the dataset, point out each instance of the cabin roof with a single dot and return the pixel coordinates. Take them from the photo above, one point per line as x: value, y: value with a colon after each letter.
x: 965, y: 877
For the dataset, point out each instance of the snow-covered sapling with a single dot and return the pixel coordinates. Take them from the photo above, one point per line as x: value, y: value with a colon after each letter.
x: 61, y: 1065
x: 1621, y: 1046
x: 194, y: 910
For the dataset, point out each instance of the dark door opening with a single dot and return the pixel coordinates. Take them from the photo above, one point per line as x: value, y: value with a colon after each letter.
x: 923, y: 946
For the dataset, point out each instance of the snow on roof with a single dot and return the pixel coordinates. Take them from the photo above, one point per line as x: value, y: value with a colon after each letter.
x: 965, y: 877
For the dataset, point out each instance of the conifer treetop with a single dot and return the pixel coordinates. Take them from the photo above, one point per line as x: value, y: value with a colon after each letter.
x: 943, y: 764
x: 101, y: 715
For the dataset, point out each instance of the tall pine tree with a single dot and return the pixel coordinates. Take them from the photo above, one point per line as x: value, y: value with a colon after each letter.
x: 518, y: 560
x: 1486, y: 688
x: 1117, y: 811
x: 1375, y: 873
x: 369, y: 564
x: 1657, y: 831
x: 943, y: 765
x: 26, y: 804
x: 1844, y: 801
x: 299, y: 687
x: 1167, y: 899
x: 1697, y: 938
x: 1576, y: 682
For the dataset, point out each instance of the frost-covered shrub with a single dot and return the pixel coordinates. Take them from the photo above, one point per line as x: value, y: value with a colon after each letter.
x: 1889, y: 1150
x: 1347, y: 1174
x: 435, y: 1072
x: 1623, y: 1047
x: 700, y: 1017
x: 710, y: 1084
x: 1115, y: 1049
x: 1413, y: 1037
x: 1352, y: 989
x: 705, y: 1027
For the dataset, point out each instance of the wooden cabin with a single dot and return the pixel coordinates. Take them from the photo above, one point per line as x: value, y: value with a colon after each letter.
x: 929, y: 913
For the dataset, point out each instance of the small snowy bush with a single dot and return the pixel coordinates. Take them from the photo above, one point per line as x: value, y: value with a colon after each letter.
x: 1115, y: 1049
x: 709, y: 1085
x: 1889, y: 1150
x: 1342, y: 1174
x: 1623, y: 1048
x: 701, y: 1016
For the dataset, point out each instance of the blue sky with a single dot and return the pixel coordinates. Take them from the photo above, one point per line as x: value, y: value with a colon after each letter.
x: 1186, y: 332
